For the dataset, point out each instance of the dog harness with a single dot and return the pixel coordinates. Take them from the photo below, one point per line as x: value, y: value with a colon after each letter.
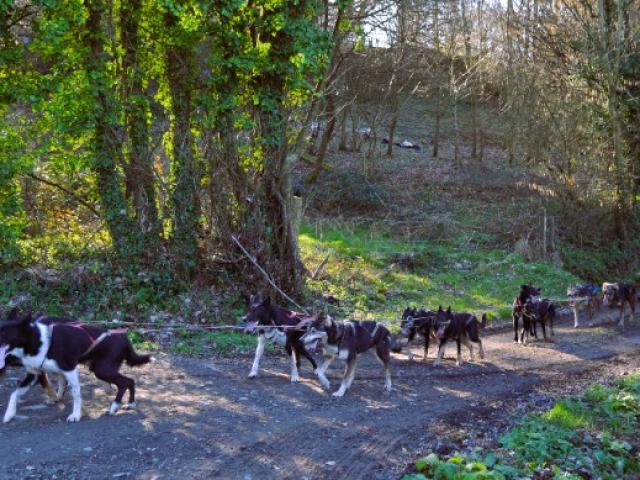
x: 94, y: 341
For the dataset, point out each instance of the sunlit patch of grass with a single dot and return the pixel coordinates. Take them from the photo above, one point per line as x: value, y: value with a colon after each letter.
x: 366, y: 273
x: 566, y: 414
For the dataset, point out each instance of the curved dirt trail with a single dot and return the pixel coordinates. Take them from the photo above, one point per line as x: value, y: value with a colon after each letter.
x: 201, y: 419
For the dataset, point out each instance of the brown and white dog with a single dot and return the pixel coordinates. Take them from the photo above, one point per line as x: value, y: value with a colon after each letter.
x: 617, y: 295
x: 346, y: 340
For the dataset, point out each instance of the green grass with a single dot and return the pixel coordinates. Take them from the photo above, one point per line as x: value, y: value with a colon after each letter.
x: 188, y: 342
x: 376, y: 276
x: 594, y: 434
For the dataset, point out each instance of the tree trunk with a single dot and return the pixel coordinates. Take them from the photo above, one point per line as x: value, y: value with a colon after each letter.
x: 326, y: 87
x: 106, y: 145
x: 392, y: 129
x: 140, y: 181
x: 436, y: 33
x: 281, y: 246
x: 326, y: 138
x: 180, y: 73
x: 610, y: 50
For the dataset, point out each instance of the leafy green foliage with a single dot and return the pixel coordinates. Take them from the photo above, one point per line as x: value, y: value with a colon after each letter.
x: 590, y: 435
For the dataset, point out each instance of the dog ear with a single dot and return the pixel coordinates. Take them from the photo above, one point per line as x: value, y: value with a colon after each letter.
x: 440, y: 308
x: 13, y: 314
x: 26, y: 320
x: 449, y: 309
x: 255, y: 300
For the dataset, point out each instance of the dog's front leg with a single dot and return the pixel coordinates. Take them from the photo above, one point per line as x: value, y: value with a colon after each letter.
x: 621, y: 321
x: 294, y: 366
x: 525, y: 330
x: 576, y: 322
x: 469, y: 345
x: 459, y: 354
x: 320, y: 372
x: 347, y: 379
x: 426, y: 347
x: 73, y: 380
x: 440, y: 354
x: 43, y: 380
x: 259, y: 352
x: 27, y: 382
x: 544, y: 330
x: 62, y: 386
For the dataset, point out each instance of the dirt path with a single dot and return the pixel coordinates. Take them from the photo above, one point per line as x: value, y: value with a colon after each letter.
x: 201, y: 419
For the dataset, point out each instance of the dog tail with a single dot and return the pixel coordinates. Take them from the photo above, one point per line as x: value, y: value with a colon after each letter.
x: 134, y: 359
x: 394, y: 344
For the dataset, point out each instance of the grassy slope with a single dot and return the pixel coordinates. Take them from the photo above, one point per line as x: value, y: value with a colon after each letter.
x: 376, y: 277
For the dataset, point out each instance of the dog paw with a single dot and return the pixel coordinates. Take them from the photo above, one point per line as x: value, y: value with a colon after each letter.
x: 74, y: 418
x: 295, y: 379
x: 324, y: 382
x: 338, y: 394
x: 129, y: 406
x: 252, y: 375
x: 153, y: 359
x: 7, y: 418
x: 113, y: 409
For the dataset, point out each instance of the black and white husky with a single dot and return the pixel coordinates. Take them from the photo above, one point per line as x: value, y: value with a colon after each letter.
x: 56, y: 345
x: 346, y: 340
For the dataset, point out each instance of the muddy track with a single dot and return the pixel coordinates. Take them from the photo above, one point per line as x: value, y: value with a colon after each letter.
x: 201, y: 419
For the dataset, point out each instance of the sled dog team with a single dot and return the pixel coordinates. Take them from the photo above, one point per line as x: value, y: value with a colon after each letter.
x: 56, y: 346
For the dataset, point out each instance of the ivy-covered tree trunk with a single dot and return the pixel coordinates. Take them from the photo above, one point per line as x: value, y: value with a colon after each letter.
x: 275, y: 196
x: 140, y: 181
x: 180, y: 76
x: 106, y: 145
